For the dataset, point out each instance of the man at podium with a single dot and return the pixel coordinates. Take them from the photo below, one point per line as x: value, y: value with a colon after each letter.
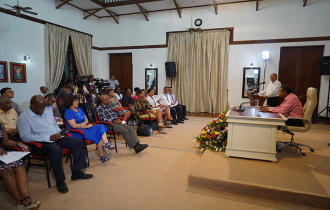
x: 271, y: 93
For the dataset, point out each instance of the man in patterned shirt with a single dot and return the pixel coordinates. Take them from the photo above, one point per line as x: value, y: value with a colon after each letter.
x: 105, y: 114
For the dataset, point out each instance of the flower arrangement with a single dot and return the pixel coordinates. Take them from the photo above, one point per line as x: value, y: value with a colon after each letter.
x: 214, y: 135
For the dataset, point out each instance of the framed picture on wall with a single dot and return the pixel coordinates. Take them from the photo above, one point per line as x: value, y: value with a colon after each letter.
x: 17, y: 72
x: 3, y: 71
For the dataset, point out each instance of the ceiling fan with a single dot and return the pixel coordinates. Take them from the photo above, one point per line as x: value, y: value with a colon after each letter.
x: 198, y: 22
x: 20, y: 9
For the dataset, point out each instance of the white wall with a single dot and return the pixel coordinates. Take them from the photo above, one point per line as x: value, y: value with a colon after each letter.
x: 276, y: 19
x: 20, y: 37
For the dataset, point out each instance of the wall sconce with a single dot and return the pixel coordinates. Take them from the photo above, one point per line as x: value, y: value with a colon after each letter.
x: 265, y: 55
x: 150, y: 65
x: 27, y: 58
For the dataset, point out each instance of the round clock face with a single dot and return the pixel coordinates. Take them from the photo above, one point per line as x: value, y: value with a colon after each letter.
x: 198, y: 22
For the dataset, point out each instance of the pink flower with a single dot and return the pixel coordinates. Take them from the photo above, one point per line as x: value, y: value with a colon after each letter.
x: 202, y: 142
x: 215, y: 121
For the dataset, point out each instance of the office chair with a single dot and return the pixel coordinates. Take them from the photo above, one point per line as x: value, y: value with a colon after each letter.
x: 306, y: 122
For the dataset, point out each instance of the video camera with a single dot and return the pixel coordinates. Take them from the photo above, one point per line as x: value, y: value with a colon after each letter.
x: 80, y: 82
x: 100, y: 84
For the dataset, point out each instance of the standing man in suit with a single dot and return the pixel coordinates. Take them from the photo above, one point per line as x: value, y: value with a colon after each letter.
x: 272, y: 91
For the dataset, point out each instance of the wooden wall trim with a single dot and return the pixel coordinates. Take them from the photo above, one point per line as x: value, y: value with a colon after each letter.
x: 267, y: 41
x: 264, y: 41
x: 37, y: 20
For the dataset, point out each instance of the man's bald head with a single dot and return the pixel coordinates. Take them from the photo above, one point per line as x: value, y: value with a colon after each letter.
x: 5, y: 103
x: 105, y: 100
x: 37, y: 104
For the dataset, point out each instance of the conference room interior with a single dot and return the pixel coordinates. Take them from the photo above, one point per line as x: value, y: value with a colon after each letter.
x: 135, y: 46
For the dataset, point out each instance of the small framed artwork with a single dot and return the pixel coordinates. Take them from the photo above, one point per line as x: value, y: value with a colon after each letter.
x: 3, y: 71
x: 17, y: 72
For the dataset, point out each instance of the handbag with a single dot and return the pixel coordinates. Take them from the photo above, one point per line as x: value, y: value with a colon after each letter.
x: 143, y: 130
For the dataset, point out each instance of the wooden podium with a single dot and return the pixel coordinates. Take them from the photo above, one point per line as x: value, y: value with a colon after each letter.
x: 254, y: 97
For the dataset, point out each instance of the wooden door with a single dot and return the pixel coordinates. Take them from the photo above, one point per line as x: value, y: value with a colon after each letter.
x: 121, y: 65
x: 300, y: 68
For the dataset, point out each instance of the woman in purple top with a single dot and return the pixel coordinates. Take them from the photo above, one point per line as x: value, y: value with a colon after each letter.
x: 77, y: 119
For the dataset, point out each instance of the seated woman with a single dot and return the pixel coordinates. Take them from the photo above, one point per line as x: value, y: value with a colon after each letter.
x: 136, y: 96
x: 14, y: 174
x: 165, y: 109
x: 128, y: 100
x: 118, y: 94
x: 115, y: 104
x: 76, y: 119
x: 142, y: 105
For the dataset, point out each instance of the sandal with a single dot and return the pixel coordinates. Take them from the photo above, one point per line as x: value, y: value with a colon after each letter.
x: 31, y: 205
x: 161, y: 125
x: 104, y: 158
x: 108, y: 146
x: 162, y: 132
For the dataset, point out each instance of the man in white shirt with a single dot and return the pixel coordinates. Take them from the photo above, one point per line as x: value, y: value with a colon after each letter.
x: 271, y: 93
x: 113, y: 82
x: 176, y: 111
x: 173, y: 101
x: 43, y: 91
x: 10, y: 94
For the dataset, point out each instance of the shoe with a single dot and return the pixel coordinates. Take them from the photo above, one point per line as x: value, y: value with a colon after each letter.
x: 174, y: 122
x: 80, y: 175
x: 61, y: 187
x: 30, y: 206
x: 161, y: 125
x: 108, y: 145
x: 162, y: 132
x: 104, y: 158
x: 180, y: 121
x: 167, y: 126
x: 185, y: 118
x: 138, y: 148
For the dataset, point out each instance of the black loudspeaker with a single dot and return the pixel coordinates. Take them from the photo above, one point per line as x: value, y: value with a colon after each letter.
x: 325, y: 65
x: 170, y: 69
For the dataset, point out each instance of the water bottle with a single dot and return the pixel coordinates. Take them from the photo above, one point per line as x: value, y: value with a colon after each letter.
x: 133, y: 122
x: 151, y: 131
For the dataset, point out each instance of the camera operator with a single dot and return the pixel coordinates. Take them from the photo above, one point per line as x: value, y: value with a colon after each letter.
x: 81, y: 91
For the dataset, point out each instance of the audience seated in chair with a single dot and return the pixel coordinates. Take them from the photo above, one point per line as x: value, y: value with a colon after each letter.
x: 155, y: 105
x: 50, y: 99
x: 128, y: 100
x: 10, y: 94
x: 115, y: 104
x: 144, y: 110
x: 136, y: 96
x: 76, y: 119
x: 117, y: 93
x: 105, y: 114
x: 176, y: 111
x: 36, y: 125
x: 8, y: 117
x: 173, y: 102
x: 43, y: 91
x: 65, y: 90
x: 14, y: 175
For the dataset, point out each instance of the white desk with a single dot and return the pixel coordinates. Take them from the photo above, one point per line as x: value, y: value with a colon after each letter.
x: 252, y: 133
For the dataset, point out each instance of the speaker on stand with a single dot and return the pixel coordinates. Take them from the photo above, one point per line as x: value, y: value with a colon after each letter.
x: 325, y: 70
x: 170, y: 69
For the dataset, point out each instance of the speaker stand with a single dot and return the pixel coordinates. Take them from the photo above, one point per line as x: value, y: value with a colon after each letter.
x: 171, y: 85
x: 327, y: 107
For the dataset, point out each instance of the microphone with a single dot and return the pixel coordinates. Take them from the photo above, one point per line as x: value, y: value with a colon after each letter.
x: 260, y: 84
x: 240, y: 108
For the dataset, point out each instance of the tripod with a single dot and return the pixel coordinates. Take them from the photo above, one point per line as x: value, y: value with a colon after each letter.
x: 327, y: 107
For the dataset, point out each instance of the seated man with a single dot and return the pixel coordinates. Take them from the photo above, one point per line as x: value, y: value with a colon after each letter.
x: 176, y: 111
x: 291, y: 106
x: 105, y: 114
x: 10, y: 94
x: 173, y: 102
x: 8, y: 117
x: 43, y: 91
x: 36, y: 125
x: 50, y: 99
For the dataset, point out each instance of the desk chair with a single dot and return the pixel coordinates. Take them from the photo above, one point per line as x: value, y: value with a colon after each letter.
x: 305, y: 121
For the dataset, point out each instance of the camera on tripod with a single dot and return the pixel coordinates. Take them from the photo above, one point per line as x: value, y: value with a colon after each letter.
x: 100, y: 84
x: 80, y: 82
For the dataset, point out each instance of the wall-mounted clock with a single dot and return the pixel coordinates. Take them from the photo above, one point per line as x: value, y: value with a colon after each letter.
x: 198, y: 22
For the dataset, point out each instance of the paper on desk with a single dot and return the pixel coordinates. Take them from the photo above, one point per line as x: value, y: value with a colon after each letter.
x: 175, y: 104
x: 12, y: 156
